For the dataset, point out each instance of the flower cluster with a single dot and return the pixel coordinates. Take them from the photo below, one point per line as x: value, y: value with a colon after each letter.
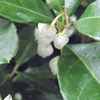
x: 44, y: 35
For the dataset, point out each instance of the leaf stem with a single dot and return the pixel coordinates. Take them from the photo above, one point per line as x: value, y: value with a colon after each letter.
x: 14, y: 71
x: 15, y: 78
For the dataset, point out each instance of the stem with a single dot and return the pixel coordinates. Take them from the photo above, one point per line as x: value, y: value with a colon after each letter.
x: 14, y: 71
x: 64, y: 31
x: 67, y: 19
x: 59, y: 26
x: 15, y: 78
x: 66, y: 15
x: 67, y: 27
x: 56, y: 19
x: 66, y: 9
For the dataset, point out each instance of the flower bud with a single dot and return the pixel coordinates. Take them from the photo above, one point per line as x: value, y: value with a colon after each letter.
x: 44, y: 40
x: 18, y: 96
x: 45, y: 51
x: 46, y: 34
x: 53, y: 65
x: 40, y: 38
x: 60, y: 40
x: 40, y: 26
x: 47, y: 29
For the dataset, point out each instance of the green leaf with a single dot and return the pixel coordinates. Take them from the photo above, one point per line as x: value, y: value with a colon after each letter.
x: 36, y: 95
x: 31, y: 94
x: 41, y: 72
x: 8, y: 41
x: 23, y: 11
x: 3, y: 78
x: 6, y: 86
x: 46, y: 96
x: 56, y: 5
x: 78, y: 72
x: 28, y: 45
x: 38, y: 83
x: 72, y: 5
x: 89, y: 23
x: 2, y: 67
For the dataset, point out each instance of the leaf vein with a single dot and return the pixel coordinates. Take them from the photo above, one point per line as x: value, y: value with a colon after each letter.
x: 83, y: 88
x: 84, y: 63
x: 87, y: 18
x: 59, y: 5
x: 73, y: 65
x: 26, y: 9
x: 22, y: 3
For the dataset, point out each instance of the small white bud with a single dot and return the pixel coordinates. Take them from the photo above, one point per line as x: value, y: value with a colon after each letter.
x: 46, y: 29
x: 18, y: 96
x: 53, y: 65
x: 8, y: 97
x: 45, y: 51
x: 46, y: 34
x: 40, y: 26
x: 44, y: 40
x: 60, y: 40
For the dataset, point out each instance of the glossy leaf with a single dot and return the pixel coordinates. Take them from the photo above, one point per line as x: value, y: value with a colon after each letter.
x: 8, y: 41
x: 41, y: 72
x: 72, y: 5
x: 78, y: 72
x: 38, y: 83
x: 89, y: 23
x: 56, y: 5
x: 23, y: 11
x: 27, y: 47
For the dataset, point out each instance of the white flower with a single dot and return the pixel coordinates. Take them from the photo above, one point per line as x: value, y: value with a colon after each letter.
x: 60, y: 40
x: 45, y: 51
x: 53, y: 65
x: 40, y: 26
x: 47, y: 29
x: 8, y: 97
x: 45, y: 34
x: 18, y: 96
x: 44, y: 40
